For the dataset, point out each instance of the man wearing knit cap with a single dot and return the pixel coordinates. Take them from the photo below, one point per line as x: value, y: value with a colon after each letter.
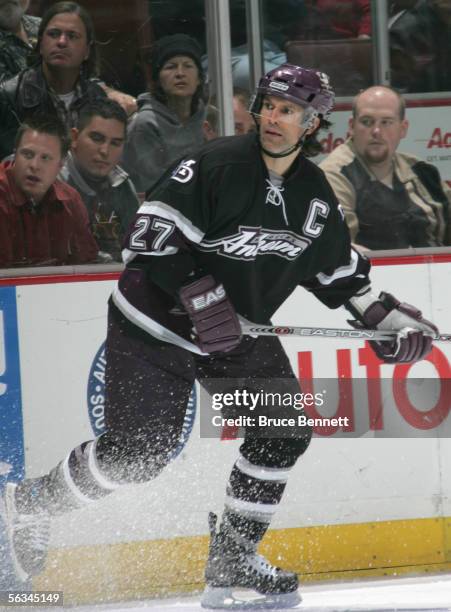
x: 169, y: 120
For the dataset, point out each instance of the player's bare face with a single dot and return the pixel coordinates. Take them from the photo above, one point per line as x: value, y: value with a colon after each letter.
x: 179, y: 77
x: 98, y: 147
x: 280, y: 124
x: 377, y: 128
x: 37, y: 163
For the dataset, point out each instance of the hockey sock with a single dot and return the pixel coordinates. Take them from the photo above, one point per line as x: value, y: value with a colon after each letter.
x: 74, y: 482
x: 240, y: 527
x: 253, y: 495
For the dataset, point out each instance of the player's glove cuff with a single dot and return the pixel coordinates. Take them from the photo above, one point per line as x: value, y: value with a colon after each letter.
x: 415, y: 334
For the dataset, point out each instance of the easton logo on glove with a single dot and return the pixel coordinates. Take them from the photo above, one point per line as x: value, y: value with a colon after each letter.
x: 207, y: 299
x: 215, y: 323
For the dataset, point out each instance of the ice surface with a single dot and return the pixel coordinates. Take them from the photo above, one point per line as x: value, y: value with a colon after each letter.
x: 426, y: 594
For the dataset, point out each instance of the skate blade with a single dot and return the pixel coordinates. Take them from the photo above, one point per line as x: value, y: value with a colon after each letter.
x: 222, y: 598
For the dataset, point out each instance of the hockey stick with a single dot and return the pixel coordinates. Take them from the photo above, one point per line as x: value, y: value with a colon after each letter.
x: 253, y: 329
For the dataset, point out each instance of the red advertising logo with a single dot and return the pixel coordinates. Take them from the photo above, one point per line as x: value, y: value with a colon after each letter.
x: 439, y: 140
x: 412, y: 415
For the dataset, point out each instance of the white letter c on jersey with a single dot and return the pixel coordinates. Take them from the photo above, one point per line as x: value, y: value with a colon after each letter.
x: 318, y: 208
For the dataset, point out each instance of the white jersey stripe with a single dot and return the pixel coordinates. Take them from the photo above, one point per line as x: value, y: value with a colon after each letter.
x: 342, y: 272
x: 193, y: 233
x: 128, y: 256
x: 149, y: 325
x: 260, y: 472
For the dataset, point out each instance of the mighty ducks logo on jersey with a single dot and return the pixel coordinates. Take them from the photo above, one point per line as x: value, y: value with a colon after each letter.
x: 96, y: 402
x: 184, y: 173
x: 252, y: 241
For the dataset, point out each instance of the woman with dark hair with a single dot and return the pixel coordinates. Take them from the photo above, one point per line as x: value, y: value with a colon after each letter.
x: 170, y: 118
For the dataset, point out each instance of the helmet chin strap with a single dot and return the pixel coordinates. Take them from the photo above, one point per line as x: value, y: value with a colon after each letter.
x: 287, y: 152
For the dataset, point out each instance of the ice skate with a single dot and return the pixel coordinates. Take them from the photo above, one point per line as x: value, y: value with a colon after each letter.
x: 234, y: 565
x: 28, y: 535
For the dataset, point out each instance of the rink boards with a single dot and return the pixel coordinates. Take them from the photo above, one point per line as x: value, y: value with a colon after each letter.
x: 371, y: 504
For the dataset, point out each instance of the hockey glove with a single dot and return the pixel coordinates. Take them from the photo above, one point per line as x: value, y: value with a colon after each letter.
x: 414, y: 340
x: 215, y: 322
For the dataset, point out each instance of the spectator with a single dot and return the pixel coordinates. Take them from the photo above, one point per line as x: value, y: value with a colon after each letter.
x: 42, y: 220
x: 244, y: 122
x: 18, y: 35
x: 170, y: 118
x: 420, y: 47
x: 210, y: 127
x: 62, y: 80
x: 63, y: 77
x: 92, y: 169
x: 391, y: 200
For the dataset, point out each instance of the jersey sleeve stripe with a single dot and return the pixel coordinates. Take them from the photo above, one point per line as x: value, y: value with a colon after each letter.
x: 342, y: 272
x: 165, y: 211
x: 128, y: 256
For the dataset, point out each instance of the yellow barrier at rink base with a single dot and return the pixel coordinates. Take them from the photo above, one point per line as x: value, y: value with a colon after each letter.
x: 141, y: 570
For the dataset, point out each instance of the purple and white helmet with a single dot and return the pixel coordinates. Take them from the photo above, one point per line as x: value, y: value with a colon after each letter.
x: 304, y: 86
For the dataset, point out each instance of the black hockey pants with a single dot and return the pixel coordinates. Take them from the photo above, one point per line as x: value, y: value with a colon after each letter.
x: 147, y: 391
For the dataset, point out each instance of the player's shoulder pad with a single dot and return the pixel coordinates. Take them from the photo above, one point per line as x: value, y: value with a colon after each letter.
x: 312, y: 172
x: 229, y: 150
x: 216, y: 154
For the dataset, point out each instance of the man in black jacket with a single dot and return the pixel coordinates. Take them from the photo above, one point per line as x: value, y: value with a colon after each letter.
x: 63, y: 78
x: 228, y: 232
x: 18, y: 35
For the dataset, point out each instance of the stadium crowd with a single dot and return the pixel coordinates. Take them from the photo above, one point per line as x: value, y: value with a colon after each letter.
x: 78, y: 155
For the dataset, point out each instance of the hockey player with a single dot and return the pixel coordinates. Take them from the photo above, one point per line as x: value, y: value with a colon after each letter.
x: 231, y: 231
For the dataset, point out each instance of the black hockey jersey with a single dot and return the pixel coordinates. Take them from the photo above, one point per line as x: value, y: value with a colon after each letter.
x: 219, y: 213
